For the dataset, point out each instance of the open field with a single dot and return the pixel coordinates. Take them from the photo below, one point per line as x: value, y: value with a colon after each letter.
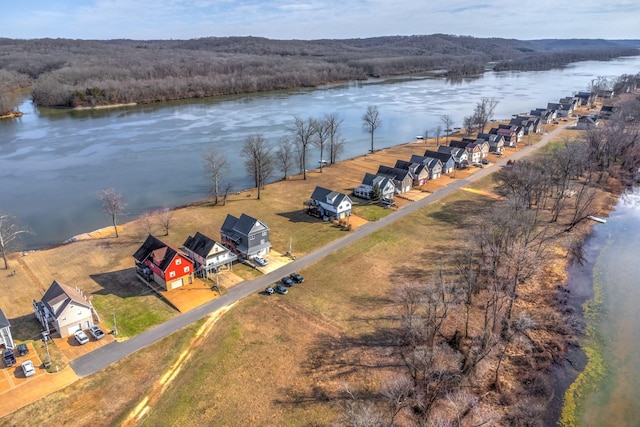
x: 260, y: 346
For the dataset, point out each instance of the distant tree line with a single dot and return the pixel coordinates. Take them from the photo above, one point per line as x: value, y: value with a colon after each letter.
x: 75, y: 73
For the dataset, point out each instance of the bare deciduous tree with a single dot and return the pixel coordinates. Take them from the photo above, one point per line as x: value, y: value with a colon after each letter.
x: 303, y: 131
x: 165, y: 217
x: 10, y: 230
x: 284, y: 155
x: 259, y: 160
x: 113, y: 204
x: 215, y: 165
x: 333, y: 122
x: 447, y: 122
x: 371, y: 121
x: 321, y: 132
x: 483, y: 112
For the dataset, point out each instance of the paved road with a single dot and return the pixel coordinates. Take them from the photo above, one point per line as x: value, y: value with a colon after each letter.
x: 110, y: 353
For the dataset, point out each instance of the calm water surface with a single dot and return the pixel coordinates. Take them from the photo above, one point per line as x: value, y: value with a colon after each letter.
x: 52, y: 162
x: 615, y: 399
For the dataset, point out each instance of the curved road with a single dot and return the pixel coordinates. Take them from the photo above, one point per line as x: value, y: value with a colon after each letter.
x: 110, y: 353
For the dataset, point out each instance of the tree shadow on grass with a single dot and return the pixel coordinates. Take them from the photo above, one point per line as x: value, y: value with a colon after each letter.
x: 299, y: 216
x: 122, y: 283
x: 460, y: 212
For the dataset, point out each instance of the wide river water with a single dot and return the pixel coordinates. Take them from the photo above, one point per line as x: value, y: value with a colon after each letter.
x: 53, y: 162
x: 607, y: 392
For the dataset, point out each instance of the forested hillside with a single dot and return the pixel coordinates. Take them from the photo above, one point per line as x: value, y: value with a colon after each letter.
x: 73, y: 73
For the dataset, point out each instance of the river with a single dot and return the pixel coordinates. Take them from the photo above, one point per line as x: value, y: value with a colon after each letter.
x: 53, y: 162
x: 606, y: 392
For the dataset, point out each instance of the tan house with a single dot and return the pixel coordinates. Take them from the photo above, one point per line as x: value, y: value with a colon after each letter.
x: 65, y: 309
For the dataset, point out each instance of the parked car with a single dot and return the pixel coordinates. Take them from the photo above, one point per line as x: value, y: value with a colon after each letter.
x: 287, y: 281
x: 22, y: 349
x: 260, y: 261
x: 296, y: 278
x: 281, y: 289
x: 9, y: 357
x: 269, y: 290
x: 485, y: 161
x: 96, y: 332
x: 81, y: 337
x: 28, y: 368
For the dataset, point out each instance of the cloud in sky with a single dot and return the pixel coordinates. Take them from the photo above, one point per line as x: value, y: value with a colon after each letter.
x: 314, y: 19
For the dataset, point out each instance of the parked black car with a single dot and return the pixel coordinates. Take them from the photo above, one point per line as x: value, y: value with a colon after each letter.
x: 9, y: 357
x: 281, y: 289
x: 22, y: 349
x: 269, y: 290
x: 287, y: 281
x: 296, y: 278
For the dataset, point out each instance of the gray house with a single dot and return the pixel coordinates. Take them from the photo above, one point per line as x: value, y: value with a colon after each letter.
x: 245, y: 236
x: 459, y: 155
x: 400, y: 177
x: 5, y: 331
x: 65, y: 310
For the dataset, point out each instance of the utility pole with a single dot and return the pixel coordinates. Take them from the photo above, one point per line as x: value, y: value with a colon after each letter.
x: 45, y: 337
x: 115, y: 326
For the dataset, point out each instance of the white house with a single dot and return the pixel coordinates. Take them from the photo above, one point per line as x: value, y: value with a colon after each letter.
x: 207, y: 255
x: 5, y: 331
x: 64, y: 309
x: 330, y: 203
x: 370, y: 181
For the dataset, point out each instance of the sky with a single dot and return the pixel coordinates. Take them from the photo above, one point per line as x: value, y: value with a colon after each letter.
x: 318, y: 19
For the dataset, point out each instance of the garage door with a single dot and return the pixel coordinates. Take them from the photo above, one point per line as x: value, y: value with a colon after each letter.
x: 176, y: 284
x: 72, y: 329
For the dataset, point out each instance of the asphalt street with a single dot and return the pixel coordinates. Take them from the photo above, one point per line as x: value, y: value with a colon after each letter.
x: 110, y: 353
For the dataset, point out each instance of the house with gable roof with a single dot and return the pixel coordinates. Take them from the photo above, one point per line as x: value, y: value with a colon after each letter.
x: 419, y: 171
x: 459, y: 155
x: 433, y: 165
x: 5, y: 331
x: 208, y: 256
x: 370, y: 181
x: 400, y: 177
x: 164, y: 264
x: 246, y: 236
x: 448, y: 162
x: 495, y: 141
x: 587, y: 122
x: 330, y: 203
x: 64, y: 309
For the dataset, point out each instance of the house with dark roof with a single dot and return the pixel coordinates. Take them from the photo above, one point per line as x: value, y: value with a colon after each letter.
x: 246, y: 236
x: 164, y: 264
x: 495, y: 141
x: 587, y: 122
x: 606, y: 111
x: 208, y: 256
x: 64, y: 309
x: 448, y: 162
x: 459, y: 155
x: 400, y: 177
x: 371, y: 181
x: 546, y: 115
x: 584, y: 98
x: 328, y: 203
x: 5, y: 331
x: 419, y: 171
x: 529, y: 124
x: 433, y: 165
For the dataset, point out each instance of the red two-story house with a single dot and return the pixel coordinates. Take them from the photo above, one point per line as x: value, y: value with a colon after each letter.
x: 164, y: 264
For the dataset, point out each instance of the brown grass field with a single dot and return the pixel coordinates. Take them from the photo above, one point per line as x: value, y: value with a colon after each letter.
x: 276, y: 360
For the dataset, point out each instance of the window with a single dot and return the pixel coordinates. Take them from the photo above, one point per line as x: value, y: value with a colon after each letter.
x: 186, y: 269
x: 252, y: 237
x: 264, y: 233
x: 172, y: 274
x: 178, y: 261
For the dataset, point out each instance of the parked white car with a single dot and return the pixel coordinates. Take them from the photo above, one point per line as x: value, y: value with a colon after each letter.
x: 96, y: 332
x: 81, y: 337
x: 28, y: 368
x: 260, y: 261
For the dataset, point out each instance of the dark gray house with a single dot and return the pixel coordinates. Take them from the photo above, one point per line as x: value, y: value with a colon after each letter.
x: 245, y: 236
